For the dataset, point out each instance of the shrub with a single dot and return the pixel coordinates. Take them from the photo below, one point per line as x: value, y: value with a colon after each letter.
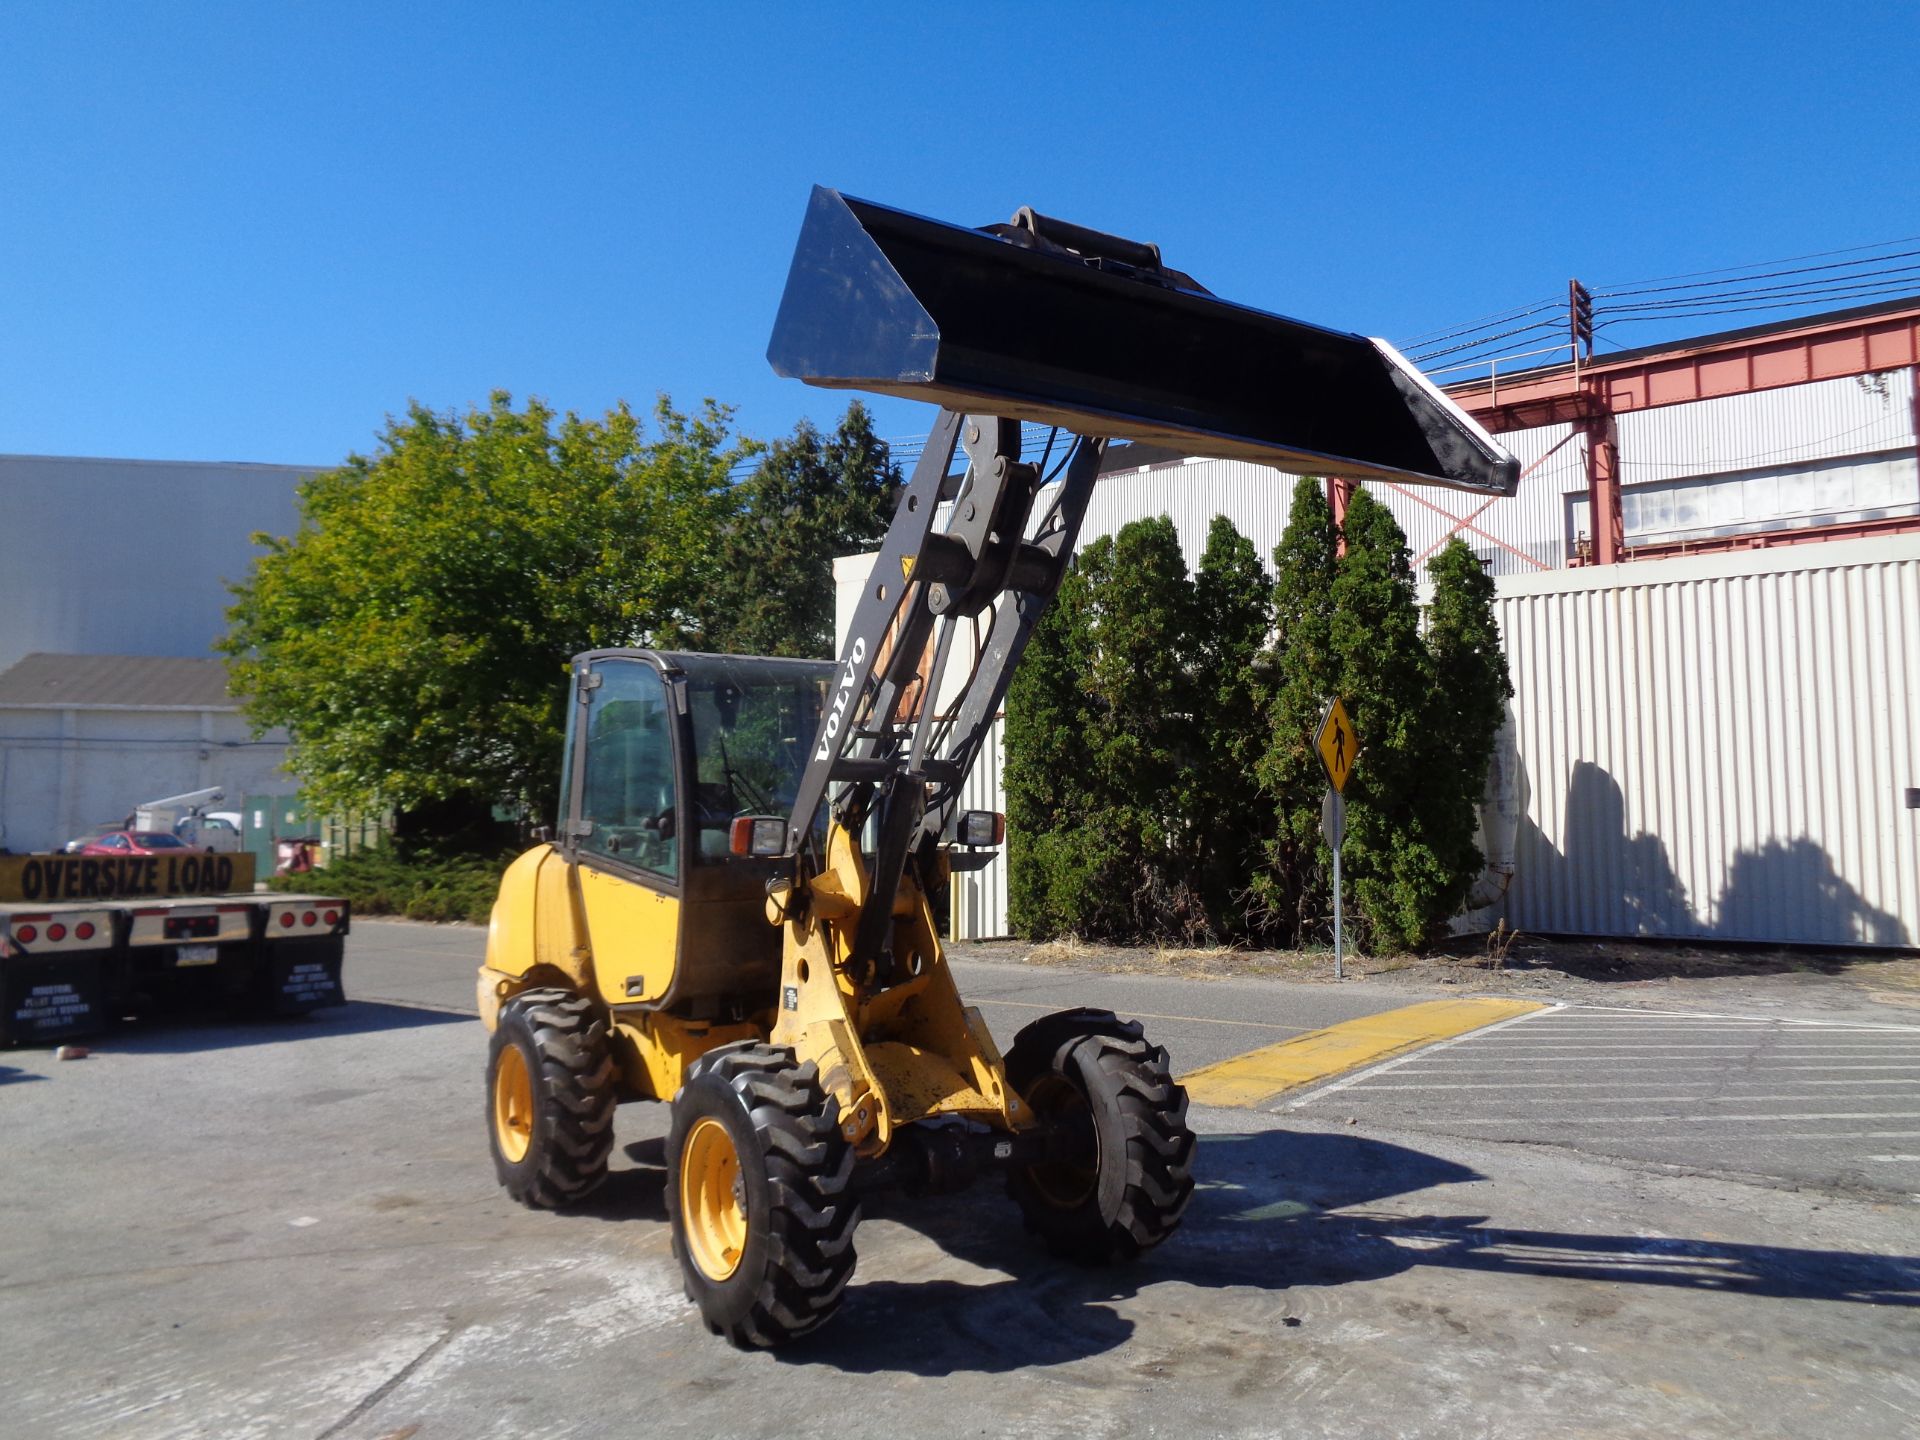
x: 381, y: 881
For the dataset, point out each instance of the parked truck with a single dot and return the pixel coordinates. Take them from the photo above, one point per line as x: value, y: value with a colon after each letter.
x: 95, y: 943
x: 192, y: 819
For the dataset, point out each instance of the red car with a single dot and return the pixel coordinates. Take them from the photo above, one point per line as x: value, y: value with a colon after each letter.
x: 133, y: 842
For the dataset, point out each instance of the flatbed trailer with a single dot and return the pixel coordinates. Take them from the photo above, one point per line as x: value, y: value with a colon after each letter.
x: 73, y: 969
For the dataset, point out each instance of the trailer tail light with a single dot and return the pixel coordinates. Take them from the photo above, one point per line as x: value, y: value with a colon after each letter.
x: 56, y: 931
x: 308, y: 919
x: 332, y: 917
x: 84, y: 930
x: 286, y: 919
x: 26, y: 934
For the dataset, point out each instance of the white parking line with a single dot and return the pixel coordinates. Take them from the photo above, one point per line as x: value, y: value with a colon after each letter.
x: 1611, y: 1084
x: 1708, y: 1015
x: 1693, y: 1136
x: 1386, y: 1065
x: 1686, y: 1100
x: 1499, y: 1065
x: 1696, y: 1119
x: 1817, y: 1047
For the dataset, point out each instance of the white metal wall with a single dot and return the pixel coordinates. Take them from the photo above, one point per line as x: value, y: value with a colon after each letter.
x: 1718, y: 746
x: 978, y: 898
x: 1856, y: 415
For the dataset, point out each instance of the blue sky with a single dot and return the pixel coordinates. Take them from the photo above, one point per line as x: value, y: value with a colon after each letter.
x: 248, y: 232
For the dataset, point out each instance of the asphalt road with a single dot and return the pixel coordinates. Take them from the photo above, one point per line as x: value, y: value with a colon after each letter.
x: 1813, y: 1102
x: 1199, y: 1021
x: 293, y: 1230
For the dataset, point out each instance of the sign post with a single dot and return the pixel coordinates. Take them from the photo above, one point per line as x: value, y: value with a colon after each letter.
x: 1338, y: 747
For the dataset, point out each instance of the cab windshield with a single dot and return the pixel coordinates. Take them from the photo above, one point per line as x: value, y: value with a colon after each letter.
x: 753, y: 723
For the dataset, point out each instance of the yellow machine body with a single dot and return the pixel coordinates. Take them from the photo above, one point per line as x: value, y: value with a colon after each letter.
x: 681, y: 964
x: 540, y: 935
x: 893, y: 1054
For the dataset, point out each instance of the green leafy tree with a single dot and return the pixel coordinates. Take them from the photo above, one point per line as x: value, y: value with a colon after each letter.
x: 812, y: 498
x: 1291, y: 893
x: 413, y: 634
x: 1233, y: 613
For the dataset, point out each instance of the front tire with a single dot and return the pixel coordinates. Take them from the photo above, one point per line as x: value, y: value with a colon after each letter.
x: 550, y: 1098
x: 759, y: 1195
x: 1091, y: 1070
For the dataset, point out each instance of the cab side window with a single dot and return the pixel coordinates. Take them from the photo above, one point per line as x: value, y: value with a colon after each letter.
x: 627, y: 791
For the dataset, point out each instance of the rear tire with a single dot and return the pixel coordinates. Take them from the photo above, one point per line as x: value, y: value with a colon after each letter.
x: 759, y: 1195
x: 550, y: 1098
x: 1090, y: 1068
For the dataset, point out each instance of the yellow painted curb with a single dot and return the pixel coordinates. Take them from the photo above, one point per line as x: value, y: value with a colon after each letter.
x: 1258, y: 1076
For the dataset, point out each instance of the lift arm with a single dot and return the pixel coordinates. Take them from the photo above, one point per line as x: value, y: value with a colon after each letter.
x: 1051, y: 322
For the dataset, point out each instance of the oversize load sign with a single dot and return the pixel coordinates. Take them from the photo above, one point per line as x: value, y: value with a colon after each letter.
x: 51, y: 878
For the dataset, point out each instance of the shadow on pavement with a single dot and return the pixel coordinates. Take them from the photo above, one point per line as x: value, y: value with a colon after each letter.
x: 1261, y: 1221
x: 173, y: 1034
x: 9, y: 1075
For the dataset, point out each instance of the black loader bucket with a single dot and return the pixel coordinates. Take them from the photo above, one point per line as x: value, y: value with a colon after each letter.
x: 1046, y: 321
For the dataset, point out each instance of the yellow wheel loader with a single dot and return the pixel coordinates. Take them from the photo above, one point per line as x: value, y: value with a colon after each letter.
x: 733, y: 916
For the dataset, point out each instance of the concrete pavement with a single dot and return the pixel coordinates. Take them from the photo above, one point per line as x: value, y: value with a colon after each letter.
x: 293, y: 1230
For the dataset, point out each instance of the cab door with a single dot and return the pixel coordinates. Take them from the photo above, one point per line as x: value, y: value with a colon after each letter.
x: 624, y: 832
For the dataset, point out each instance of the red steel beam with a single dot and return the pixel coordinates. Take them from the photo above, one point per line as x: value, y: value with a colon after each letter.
x: 1796, y: 353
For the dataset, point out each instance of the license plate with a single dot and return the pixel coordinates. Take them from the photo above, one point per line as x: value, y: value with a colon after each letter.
x: 196, y: 955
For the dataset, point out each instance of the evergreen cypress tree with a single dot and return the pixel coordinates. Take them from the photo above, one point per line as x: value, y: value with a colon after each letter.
x: 1290, y: 894
x: 1100, y: 746
x: 1048, y: 728
x: 1230, y: 823
x: 1400, y: 877
x: 1471, y: 688
x: 1143, y: 740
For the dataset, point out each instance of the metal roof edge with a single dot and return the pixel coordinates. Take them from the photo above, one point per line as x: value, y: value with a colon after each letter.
x: 204, y: 464
x: 1762, y: 560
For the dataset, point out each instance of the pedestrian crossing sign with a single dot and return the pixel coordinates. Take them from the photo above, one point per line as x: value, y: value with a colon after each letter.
x: 1339, y: 747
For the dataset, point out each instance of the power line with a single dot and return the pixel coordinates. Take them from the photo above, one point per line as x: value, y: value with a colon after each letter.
x: 1786, y: 260
x: 1787, y: 294
x: 1765, y: 275
x: 1870, y: 272
x: 1425, y: 357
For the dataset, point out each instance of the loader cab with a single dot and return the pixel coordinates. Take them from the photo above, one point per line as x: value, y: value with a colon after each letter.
x: 663, y: 751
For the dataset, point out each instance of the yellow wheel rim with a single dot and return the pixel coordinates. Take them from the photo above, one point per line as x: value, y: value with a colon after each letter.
x: 712, y: 1216
x: 512, y: 1104
x: 1062, y: 1185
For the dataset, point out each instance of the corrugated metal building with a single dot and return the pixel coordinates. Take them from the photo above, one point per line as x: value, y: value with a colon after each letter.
x: 1708, y: 746
x: 1717, y: 746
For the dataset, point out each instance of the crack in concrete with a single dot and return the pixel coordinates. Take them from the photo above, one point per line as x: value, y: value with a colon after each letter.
x: 394, y: 1381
